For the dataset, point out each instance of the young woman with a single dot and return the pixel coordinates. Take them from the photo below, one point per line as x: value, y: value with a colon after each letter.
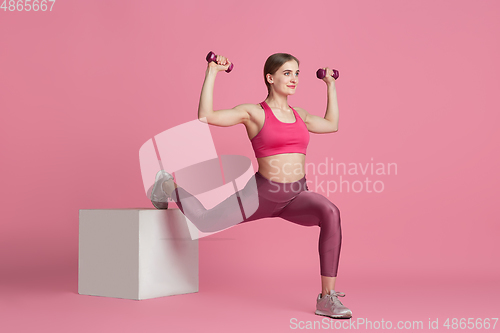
x: 279, y: 135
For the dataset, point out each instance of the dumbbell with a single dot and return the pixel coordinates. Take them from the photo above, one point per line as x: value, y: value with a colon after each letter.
x: 321, y: 73
x: 213, y: 57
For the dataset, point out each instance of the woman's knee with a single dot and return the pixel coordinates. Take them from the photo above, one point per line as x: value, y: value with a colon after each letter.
x: 331, y: 215
x: 335, y: 210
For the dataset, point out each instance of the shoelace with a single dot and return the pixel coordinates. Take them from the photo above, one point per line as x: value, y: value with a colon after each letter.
x: 332, y: 298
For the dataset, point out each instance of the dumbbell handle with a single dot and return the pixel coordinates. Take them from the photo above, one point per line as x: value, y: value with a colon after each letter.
x: 321, y: 73
x: 213, y: 57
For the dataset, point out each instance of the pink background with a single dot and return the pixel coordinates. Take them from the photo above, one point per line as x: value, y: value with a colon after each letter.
x: 84, y: 86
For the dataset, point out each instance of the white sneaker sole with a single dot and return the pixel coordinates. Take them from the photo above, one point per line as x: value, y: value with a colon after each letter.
x: 321, y: 313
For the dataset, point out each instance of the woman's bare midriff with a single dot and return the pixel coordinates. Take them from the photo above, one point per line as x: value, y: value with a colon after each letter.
x: 281, y: 168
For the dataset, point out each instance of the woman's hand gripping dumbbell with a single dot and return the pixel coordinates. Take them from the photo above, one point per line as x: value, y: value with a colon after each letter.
x: 219, y: 60
x: 321, y: 73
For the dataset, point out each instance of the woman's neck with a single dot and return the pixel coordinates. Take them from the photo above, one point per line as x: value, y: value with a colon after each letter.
x: 280, y: 102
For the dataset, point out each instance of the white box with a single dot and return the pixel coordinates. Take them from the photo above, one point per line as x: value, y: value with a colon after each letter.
x: 136, y: 253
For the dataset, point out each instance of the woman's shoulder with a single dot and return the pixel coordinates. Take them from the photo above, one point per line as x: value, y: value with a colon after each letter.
x: 302, y: 113
x: 251, y: 108
x: 256, y: 113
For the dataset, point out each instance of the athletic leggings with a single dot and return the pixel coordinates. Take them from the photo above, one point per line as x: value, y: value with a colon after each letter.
x: 290, y: 201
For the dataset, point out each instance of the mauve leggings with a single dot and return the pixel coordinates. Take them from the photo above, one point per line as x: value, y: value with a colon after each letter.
x: 290, y: 201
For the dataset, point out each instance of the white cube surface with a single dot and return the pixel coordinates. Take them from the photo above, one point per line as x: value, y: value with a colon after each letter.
x: 136, y: 253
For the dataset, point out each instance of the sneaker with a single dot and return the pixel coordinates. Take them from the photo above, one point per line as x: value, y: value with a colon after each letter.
x: 330, y: 306
x: 158, y: 197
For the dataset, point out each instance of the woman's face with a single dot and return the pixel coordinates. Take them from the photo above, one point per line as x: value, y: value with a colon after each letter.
x: 286, y: 78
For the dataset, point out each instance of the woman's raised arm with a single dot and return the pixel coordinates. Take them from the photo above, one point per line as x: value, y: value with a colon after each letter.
x: 206, y: 113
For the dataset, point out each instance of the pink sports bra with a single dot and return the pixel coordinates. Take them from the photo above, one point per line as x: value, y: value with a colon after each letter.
x: 277, y: 137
